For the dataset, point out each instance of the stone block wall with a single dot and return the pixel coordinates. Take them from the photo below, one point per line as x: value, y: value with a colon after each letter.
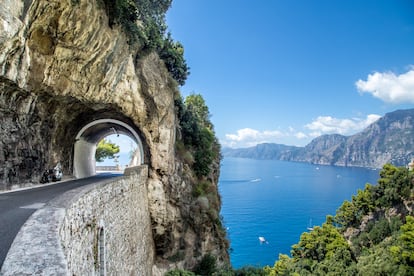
x: 99, y: 229
x: 113, y: 218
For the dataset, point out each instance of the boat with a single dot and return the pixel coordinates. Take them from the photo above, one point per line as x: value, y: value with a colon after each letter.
x: 310, y: 227
x: 263, y: 240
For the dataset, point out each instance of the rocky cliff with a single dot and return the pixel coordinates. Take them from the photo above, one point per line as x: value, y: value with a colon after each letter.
x: 388, y: 140
x: 61, y: 67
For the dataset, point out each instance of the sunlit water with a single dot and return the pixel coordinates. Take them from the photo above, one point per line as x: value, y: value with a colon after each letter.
x: 278, y: 200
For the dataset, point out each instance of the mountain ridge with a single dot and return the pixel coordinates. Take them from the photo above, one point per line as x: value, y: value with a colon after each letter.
x: 390, y: 139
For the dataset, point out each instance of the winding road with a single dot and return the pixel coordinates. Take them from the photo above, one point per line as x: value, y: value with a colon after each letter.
x: 16, y: 207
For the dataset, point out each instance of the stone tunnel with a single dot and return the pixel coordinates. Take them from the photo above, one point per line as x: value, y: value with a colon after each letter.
x: 38, y: 131
x: 89, y: 136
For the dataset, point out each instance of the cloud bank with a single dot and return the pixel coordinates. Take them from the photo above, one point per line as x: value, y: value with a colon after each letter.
x: 248, y: 137
x: 389, y: 87
x: 330, y: 125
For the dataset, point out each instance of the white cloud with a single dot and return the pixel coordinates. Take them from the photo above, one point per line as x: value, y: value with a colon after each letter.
x: 248, y: 137
x: 329, y: 125
x: 389, y: 87
x: 300, y: 135
x: 315, y: 134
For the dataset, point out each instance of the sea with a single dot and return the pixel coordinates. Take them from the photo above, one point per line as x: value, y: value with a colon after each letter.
x: 278, y: 201
x: 123, y: 160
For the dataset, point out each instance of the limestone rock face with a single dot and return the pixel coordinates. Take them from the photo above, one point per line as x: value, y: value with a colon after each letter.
x: 61, y: 67
x: 388, y: 140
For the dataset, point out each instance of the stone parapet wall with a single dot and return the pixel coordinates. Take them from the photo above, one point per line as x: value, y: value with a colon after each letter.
x: 104, y: 223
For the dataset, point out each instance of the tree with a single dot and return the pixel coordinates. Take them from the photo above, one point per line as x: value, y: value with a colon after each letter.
x: 106, y: 149
x: 172, y: 53
x: 320, y: 250
x: 346, y: 214
x: 197, y: 105
x: 197, y: 133
x: 407, y: 240
x: 281, y: 266
x: 207, y: 265
x: 394, y: 185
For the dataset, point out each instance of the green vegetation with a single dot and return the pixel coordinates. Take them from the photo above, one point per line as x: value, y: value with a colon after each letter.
x: 209, y: 269
x: 373, y: 234
x: 201, y: 147
x: 143, y: 21
x: 105, y: 149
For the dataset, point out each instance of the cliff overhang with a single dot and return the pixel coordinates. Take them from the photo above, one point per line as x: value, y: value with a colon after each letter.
x: 62, y: 67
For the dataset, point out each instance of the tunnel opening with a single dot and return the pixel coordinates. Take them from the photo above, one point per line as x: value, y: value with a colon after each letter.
x: 40, y: 129
x: 126, y: 157
x: 86, y: 140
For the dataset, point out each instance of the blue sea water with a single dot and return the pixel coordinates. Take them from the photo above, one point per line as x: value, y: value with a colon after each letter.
x: 278, y: 200
x: 123, y: 160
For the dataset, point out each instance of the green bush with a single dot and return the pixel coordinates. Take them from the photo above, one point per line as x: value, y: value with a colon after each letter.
x: 207, y: 266
x: 197, y: 133
x: 380, y: 231
x: 172, y: 53
x: 250, y: 271
x: 179, y: 272
x: 143, y: 21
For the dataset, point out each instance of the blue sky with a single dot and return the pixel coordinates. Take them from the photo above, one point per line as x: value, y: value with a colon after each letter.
x: 288, y: 71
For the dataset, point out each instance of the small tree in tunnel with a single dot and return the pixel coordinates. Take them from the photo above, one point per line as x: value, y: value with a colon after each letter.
x: 106, y: 149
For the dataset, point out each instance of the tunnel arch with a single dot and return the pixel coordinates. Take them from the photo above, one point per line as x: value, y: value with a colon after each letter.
x: 88, y: 137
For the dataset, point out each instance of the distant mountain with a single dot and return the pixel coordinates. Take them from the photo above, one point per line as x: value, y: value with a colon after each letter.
x: 388, y: 140
x: 263, y: 151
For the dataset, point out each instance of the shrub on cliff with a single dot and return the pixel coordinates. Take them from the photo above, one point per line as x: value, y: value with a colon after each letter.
x: 197, y: 133
x: 172, y: 53
x: 143, y: 21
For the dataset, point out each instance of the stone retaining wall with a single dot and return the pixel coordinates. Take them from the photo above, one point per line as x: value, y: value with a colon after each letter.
x: 98, y: 229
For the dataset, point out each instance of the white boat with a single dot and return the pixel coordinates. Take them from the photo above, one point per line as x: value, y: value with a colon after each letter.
x: 263, y: 240
x: 310, y: 227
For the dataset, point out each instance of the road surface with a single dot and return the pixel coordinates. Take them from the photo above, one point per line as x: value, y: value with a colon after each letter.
x: 17, y: 207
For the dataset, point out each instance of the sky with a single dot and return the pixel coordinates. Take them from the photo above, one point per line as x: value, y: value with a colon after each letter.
x: 287, y: 71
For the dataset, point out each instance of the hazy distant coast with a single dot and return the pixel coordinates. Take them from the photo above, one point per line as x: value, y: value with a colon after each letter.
x: 388, y: 140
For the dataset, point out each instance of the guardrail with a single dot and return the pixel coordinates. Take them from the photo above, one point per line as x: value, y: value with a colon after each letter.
x: 108, y: 168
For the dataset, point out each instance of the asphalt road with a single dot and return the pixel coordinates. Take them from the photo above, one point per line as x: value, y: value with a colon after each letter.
x: 17, y: 207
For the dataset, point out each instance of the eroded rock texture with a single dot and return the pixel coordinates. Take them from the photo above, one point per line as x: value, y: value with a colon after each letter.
x: 61, y: 67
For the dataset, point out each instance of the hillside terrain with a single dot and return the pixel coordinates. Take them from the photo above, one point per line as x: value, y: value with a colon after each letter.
x: 388, y: 140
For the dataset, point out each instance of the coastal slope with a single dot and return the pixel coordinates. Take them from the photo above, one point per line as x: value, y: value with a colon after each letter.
x: 388, y: 140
